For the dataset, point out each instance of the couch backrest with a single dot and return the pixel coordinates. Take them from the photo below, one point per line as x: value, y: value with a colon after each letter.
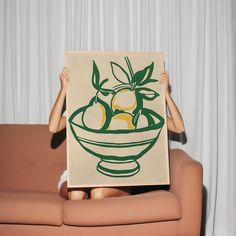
x: 31, y: 158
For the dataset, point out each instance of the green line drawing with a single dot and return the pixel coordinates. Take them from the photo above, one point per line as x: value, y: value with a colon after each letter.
x: 124, y: 117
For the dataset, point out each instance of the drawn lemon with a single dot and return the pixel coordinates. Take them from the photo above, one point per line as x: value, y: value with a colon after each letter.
x: 121, y: 121
x: 124, y: 100
x: 97, y: 115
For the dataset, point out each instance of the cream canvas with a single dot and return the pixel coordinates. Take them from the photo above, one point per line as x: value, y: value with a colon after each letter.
x: 116, y: 119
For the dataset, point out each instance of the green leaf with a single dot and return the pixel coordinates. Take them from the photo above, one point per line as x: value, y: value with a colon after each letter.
x: 106, y: 92
x: 129, y: 67
x: 119, y: 73
x: 102, y: 83
x: 95, y: 76
x: 147, y: 93
x: 148, y: 81
x: 143, y: 75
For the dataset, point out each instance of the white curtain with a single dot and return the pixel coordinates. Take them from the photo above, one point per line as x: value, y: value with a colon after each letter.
x: 198, y: 40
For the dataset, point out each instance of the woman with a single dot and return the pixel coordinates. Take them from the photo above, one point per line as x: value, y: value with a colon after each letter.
x: 57, y: 122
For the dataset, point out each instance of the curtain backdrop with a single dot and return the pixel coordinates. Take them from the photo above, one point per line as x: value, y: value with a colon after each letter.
x: 198, y: 40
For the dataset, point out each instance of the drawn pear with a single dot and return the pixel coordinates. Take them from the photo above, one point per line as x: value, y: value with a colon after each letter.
x: 143, y: 118
x: 97, y: 115
x: 142, y: 122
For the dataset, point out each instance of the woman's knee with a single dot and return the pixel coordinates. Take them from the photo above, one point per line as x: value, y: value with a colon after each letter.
x: 77, y: 195
x: 99, y: 193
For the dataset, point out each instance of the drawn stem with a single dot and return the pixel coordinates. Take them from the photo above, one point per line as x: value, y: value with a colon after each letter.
x: 129, y: 67
x: 96, y: 96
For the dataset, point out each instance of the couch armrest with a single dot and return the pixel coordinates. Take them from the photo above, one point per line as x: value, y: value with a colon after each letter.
x: 186, y: 182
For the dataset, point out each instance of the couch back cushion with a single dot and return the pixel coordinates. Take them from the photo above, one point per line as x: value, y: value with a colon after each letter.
x: 31, y: 158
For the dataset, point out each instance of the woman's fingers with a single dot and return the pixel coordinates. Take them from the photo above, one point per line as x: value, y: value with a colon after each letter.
x: 65, y: 73
x: 66, y: 70
x: 64, y: 77
x: 164, y: 79
x: 164, y: 76
x: 164, y: 72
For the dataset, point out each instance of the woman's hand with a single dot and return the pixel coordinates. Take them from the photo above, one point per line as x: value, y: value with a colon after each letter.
x: 64, y: 78
x: 174, y: 121
x: 56, y: 121
x: 164, y: 79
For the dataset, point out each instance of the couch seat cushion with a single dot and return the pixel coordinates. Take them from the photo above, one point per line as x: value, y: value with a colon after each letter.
x: 152, y: 206
x: 30, y: 208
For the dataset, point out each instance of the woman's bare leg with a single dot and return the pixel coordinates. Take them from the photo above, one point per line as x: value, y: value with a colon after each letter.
x: 63, y: 192
x: 105, y: 192
x: 77, y: 194
x: 73, y: 194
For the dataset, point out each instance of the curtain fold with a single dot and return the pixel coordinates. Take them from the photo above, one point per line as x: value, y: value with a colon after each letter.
x: 198, y: 40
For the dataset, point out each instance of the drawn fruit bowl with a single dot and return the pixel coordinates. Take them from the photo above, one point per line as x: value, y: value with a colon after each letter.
x: 117, y: 158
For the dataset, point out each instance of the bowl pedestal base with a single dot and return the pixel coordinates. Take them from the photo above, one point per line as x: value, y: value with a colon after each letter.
x: 118, y: 169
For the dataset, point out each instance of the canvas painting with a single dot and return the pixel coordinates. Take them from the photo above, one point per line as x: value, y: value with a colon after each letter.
x: 116, y: 119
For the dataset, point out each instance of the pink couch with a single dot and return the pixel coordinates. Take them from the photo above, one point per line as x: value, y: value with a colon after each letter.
x: 31, y: 162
